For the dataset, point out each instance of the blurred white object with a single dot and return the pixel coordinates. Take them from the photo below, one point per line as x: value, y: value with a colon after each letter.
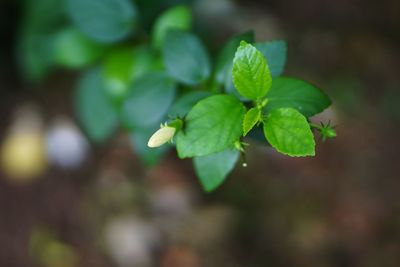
x: 23, y: 154
x: 66, y: 146
x: 130, y: 241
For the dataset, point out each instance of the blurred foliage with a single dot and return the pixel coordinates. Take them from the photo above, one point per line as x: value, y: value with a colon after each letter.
x: 46, y: 250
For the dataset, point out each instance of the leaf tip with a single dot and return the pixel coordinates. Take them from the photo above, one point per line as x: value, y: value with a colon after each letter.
x: 243, y: 43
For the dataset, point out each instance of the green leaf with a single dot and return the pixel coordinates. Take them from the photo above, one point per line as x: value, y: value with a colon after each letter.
x: 275, y: 53
x: 213, y: 125
x: 213, y: 169
x: 42, y: 16
x: 36, y: 36
x: 178, y: 17
x: 125, y: 64
x: 149, y: 156
x: 250, y: 72
x: 288, y: 132
x: 185, y: 103
x: 224, y: 63
x: 95, y: 111
x: 293, y: 93
x: 148, y: 101
x: 35, y: 54
x: 186, y: 58
x: 250, y: 119
x: 118, y: 72
x: 74, y: 49
x: 105, y: 21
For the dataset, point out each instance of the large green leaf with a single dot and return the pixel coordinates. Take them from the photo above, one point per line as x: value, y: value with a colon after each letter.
x: 178, y: 17
x: 183, y: 105
x: 275, y: 52
x: 213, y: 169
x: 148, y: 101
x: 212, y: 125
x: 288, y: 132
x: 74, y: 49
x: 289, y: 92
x: 105, y: 21
x: 251, y: 118
x: 251, y: 75
x: 224, y: 63
x: 186, y: 58
x: 95, y: 111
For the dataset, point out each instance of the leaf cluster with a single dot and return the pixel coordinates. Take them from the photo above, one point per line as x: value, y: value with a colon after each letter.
x: 136, y: 78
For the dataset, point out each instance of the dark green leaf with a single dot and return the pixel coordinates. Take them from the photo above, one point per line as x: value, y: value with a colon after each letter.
x: 288, y: 132
x: 250, y: 120
x: 148, y: 101
x: 105, y: 21
x: 178, y: 17
x: 289, y: 92
x: 213, y: 125
x: 213, y: 169
x: 275, y: 53
x: 95, y: 111
x: 186, y: 58
x: 183, y: 105
x: 36, y: 55
x: 42, y: 16
x: 36, y: 36
x: 250, y: 72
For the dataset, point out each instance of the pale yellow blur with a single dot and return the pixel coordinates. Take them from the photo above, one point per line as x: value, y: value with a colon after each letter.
x: 23, y: 156
x: 23, y: 150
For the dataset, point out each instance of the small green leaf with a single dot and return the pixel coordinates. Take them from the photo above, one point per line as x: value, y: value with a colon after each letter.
x: 105, y: 21
x: 178, y: 17
x: 275, y: 53
x: 186, y: 58
x: 213, y: 169
x: 148, y: 101
x: 74, y: 49
x: 94, y: 109
x: 183, y: 105
x: 251, y: 75
x: 293, y: 93
x: 288, y: 132
x: 213, y: 125
x: 224, y: 63
x: 251, y: 118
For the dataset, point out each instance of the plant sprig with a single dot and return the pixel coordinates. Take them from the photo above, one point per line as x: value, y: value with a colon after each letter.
x: 210, y: 106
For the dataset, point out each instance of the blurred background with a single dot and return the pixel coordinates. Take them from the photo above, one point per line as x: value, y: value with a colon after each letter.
x: 66, y: 201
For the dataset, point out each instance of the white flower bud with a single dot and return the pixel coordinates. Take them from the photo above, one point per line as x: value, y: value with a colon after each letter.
x: 162, y: 136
